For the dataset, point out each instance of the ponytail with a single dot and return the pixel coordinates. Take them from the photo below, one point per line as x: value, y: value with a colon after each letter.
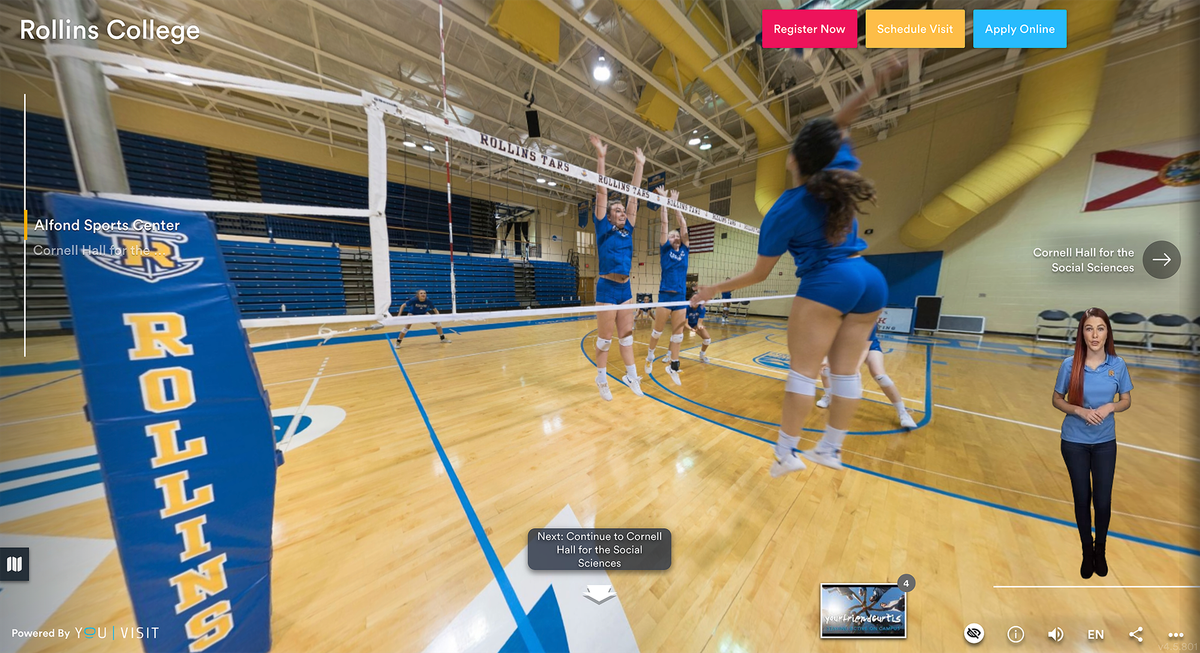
x: 842, y: 191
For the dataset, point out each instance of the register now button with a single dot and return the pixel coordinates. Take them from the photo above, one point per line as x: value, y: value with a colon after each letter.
x: 805, y: 28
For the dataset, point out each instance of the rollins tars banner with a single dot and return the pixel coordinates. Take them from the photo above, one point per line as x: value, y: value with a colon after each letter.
x: 182, y: 424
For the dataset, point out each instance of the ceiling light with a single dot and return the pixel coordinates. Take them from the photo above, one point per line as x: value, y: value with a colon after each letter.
x: 552, y: 183
x: 706, y: 146
x: 693, y: 141
x: 428, y: 148
x: 409, y: 144
x: 541, y: 180
x: 695, y: 130
x: 601, y: 72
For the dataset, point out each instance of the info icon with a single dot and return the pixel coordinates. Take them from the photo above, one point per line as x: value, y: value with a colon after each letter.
x: 973, y: 633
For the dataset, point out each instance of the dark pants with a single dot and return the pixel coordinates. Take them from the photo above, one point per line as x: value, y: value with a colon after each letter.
x: 1091, y: 467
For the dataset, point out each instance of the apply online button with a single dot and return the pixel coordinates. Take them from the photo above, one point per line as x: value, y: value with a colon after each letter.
x: 1020, y: 28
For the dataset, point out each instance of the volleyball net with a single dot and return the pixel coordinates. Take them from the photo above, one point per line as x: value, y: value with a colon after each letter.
x: 491, y: 185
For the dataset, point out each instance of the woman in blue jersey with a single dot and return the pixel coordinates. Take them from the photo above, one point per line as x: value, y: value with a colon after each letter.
x: 695, y: 322
x: 614, y: 242
x: 873, y: 357
x: 1087, y: 385
x: 840, y: 294
x: 419, y: 305
x: 673, y: 259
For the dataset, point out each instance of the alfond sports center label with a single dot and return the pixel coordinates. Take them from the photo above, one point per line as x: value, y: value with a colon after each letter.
x: 615, y: 549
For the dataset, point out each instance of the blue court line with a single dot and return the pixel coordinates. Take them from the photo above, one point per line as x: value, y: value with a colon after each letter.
x: 942, y: 387
x: 38, y: 368
x: 923, y: 422
x: 21, y: 392
x: 46, y: 488
x: 940, y: 362
x: 56, y: 466
x: 920, y: 486
x: 532, y: 644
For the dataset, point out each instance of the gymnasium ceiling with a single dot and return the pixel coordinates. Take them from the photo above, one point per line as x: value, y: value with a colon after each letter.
x: 391, y: 47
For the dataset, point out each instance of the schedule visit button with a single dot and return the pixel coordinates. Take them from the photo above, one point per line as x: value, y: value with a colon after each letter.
x: 916, y: 28
x: 1020, y: 28
x: 810, y: 28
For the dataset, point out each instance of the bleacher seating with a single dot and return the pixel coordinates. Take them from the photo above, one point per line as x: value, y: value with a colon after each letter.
x: 482, y: 283
x: 285, y: 280
x: 554, y: 284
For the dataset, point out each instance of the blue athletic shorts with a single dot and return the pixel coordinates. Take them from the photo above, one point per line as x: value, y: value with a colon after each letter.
x: 850, y: 285
x: 611, y: 292
x: 875, y: 345
x: 664, y: 296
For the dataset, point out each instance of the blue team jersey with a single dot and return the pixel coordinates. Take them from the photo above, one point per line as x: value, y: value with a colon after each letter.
x: 1100, y: 386
x: 674, y: 264
x: 796, y: 224
x: 694, y: 315
x: 418, y: 307
x: 728, y: 294
x: 615, y: 246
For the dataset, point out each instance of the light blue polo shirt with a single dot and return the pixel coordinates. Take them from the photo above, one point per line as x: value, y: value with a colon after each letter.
x: 1100, y: 386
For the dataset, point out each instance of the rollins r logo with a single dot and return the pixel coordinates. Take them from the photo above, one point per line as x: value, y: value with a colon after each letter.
x: 148, y: 255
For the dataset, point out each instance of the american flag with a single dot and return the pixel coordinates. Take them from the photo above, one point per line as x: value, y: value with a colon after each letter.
x: 701, y: 237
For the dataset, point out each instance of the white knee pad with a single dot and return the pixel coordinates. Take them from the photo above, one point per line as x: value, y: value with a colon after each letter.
x: 627, y: 341
x: 848, y: 386
x: 655, y: 334
x: 676, y: 337
x: 404, y: 329
x: 799, y: 384
x: 707, y: 341
x: 603, y: 343
x: 884, y: 381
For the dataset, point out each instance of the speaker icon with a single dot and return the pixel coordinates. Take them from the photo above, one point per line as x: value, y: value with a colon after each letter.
x: 1056, y: 634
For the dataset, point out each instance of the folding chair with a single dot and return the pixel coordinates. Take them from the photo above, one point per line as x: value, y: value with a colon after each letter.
x: 1052, y: 320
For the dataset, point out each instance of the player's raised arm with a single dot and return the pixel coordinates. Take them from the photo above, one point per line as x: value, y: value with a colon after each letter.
x: 683, y: 232
x: 662, y: 212
x: 631, y: 203
x: 601, y: 192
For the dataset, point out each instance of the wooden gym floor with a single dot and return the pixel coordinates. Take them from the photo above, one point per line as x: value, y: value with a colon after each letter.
x: 374, y: 552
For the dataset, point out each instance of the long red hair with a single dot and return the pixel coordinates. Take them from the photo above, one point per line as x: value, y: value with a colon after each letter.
x: 1075, y: 387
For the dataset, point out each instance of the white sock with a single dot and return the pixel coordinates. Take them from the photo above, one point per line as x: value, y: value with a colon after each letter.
x: 631, y: 371
x: 785, y: 444
x: 900, y: 409
x: 601, y: 375
x: 650, y: 355
x: 833, y: 438
x: 825, y: 378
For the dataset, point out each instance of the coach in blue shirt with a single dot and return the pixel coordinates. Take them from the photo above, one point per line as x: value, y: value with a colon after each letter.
x: 1086, y: 386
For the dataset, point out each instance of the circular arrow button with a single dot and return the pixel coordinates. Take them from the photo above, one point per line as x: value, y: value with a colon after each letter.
x: 1161, y: 259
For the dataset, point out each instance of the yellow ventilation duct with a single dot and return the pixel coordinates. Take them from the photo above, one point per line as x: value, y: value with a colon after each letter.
x: 530, y: 25
x: 655, y: 107
x: 691, y: 58
x: 1054, y: 110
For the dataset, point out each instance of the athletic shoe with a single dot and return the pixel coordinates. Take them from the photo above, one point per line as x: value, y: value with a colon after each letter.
x: 398, y: 341
x: 634, y: 384
x: 605, y: 393
x: 674, y: 375
x: 792, y: 463
x: 703, y: 358
x: 823, y: 402
x: 906, y: 421
x: 822, y: 455
x: 649, y: 365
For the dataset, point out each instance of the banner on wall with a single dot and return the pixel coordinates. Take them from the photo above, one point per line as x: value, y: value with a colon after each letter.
x: 1160, y: 173
x: 585, y: 211
x: 652, y: 182
x: 182, y: 424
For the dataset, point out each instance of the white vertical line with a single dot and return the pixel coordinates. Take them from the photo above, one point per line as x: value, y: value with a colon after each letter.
x: 286, y: 443
x: 25, y: 239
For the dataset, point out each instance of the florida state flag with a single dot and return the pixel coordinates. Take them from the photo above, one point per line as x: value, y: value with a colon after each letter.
x: 1162, y: 173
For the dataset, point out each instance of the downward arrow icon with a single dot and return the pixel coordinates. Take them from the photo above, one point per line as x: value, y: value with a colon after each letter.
x: 599, y: 593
